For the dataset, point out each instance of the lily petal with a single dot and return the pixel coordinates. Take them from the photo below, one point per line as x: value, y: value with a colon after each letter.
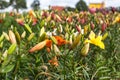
x: 92, y: 35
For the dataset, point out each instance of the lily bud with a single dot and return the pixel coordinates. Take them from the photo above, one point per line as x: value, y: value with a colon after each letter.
x: 105, y: 36
x: 12, y: 37
x: 1, y: 44
x: 18, y: 38
x: 58, y: 18
x: 56, y: 50
x: 85, y: 49
x: 92, y: 25
x: 38, y: 46
x: 92, y: 10
x: 76, y: 41
x: 23, y: 34
x: 1, y: 37
x: 31, y: 36
x: 78, y: 28
x: 103, y: 27
x: 20, y: 21
x: 6, y: 36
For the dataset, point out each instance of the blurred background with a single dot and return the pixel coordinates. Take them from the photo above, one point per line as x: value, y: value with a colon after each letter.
x: 26, y: 5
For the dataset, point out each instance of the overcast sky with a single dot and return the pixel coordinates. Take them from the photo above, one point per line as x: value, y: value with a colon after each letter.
x: 45, y: 3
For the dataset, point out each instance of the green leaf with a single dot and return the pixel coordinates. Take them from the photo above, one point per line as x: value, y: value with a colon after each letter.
x: 42, y: 23
x: 28, y: 28
x: 1, y: 38
x: 105, y: 78
x: 6, y: 69
x: 42, y: 31
x: 12, y: 48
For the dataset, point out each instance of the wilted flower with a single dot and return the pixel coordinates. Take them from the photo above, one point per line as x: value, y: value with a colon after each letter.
x: 54, y: 61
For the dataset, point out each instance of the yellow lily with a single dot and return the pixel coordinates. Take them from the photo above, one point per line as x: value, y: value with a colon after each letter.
x: 95, y: 40
x: 117, y: 19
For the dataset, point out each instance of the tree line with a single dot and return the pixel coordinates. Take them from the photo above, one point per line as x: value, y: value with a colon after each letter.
x: 22, y: 4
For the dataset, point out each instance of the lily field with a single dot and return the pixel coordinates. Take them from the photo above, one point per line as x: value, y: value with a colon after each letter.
x: 60, y: 45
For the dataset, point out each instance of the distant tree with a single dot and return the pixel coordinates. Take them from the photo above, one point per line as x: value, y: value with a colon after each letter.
x: 3, y: 4
x: 18, y: 4
x: 81, y: 6
x: 35, y: 5
x: 70, y: 9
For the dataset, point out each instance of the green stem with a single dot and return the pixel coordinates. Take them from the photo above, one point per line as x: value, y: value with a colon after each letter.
x: 65, y: 64
x: 18, y: 62
x: 64, y: 68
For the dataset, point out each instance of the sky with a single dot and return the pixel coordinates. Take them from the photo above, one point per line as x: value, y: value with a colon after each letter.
x: 45, y: 3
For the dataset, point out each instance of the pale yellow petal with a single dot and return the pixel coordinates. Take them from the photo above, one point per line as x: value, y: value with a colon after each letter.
x: 87, y: 41
x: 92, y: 35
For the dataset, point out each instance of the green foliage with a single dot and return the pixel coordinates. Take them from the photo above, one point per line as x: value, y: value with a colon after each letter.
x: 35, y: 5
x: 18, y: 4
x: 3, y: 4
x: 70, y: 9
x: 81, y: 6
x: 57, y: 62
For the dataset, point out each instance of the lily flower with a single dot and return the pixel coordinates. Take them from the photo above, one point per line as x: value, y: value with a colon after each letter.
x: 117, y: 19
x: 60, y: 40
x: 48, y: 44
x: 95, y: 40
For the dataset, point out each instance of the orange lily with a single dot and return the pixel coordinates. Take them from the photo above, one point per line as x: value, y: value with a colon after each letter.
x: 60, y: 40
x: 48, y: 45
